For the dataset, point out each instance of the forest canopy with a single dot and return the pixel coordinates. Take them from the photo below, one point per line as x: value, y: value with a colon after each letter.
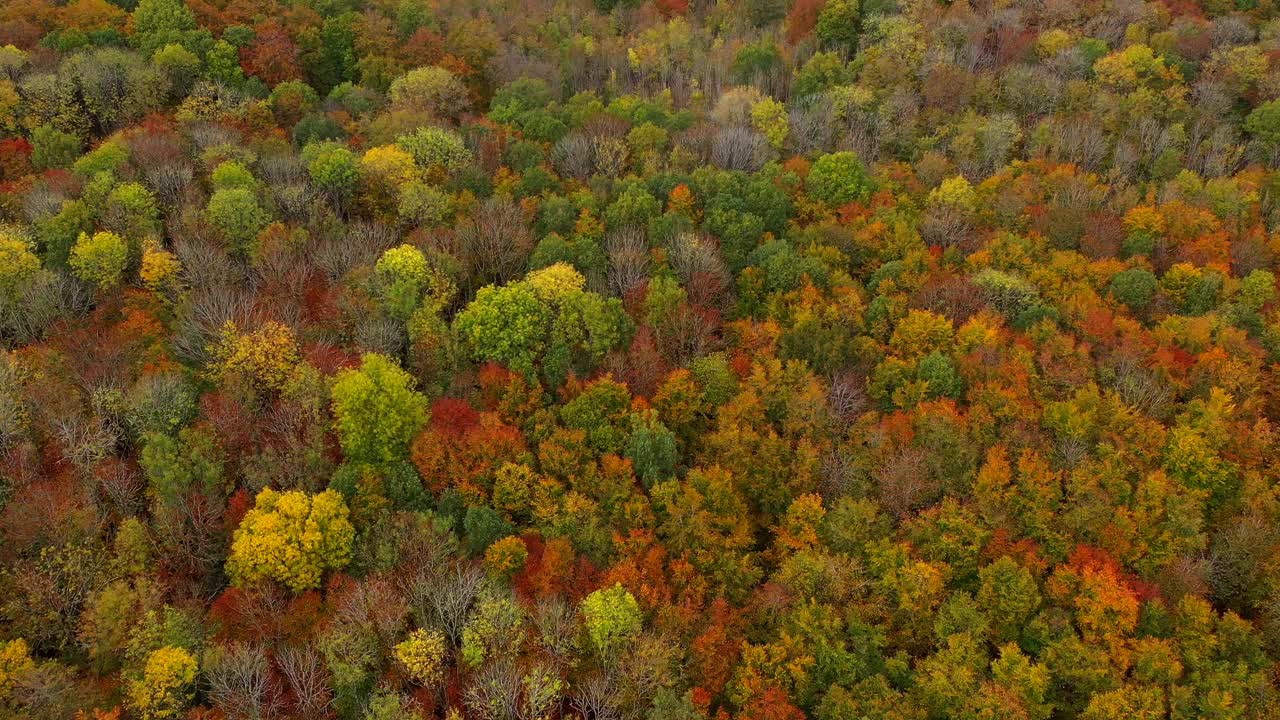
x: 639, y: 359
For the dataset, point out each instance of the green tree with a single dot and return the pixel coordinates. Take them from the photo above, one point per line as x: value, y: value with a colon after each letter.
x: 157, y: 23
x: 1135, y: 287
x: 483, y: 526
x: 100, y: 259
x: 406, y: 280
x: 333, y: 168
x: 600, y: 412
x: 377, y: 412
x: 651, y: 448
x: 52, y: 148
x: 132, y: 211
x: 612, y: 618
x: 180, y: 66
x: 1263, y: 123
x: 434, y: 147
x: 1009, y: 596
x: 507, y: 324
x: 174, y: 465
x: 839, y: 24
x: 110, y: 156
x: 223, y: 64
x: 235, y: 212
x: 838, y: 178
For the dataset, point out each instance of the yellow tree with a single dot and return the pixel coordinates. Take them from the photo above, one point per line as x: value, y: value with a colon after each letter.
x: 292, y: 538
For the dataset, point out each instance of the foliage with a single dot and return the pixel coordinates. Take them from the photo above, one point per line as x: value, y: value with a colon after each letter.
x: 17, y: 264
x: 376, y: 410
x: 265, y: 357
x: 612, y: 618
x: 292, y: 538
x: 100, y: 259
x: 167, y: 685
x: 838, y: 178
x: 423, y: 654
x: 624, y: 360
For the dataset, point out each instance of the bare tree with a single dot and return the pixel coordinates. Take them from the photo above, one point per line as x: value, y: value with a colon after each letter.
x: 202, y: 316
x: 308, y: 682
x: 557, y: 624
x: 628, y: 252
x: 739, y: 148
x: 811, y: 125
x: 495, y: 243
x: 163, y: 164
x: 692, y: 255
x: 239, y: 682
x: 574, y: 156
x: 41, y: 202
x: 596, y: 697
x: 444, y: 600
x: 495, y: 692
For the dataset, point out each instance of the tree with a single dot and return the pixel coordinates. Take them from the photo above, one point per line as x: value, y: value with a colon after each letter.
x: 1129, y: 702
x: 1263, y: 122
x: 651, y: 448
x: 100, y: 259
x: 180, y: 66
x: 292, y: 538
x: 423, y: 655
x: 770, y: 118
x: 157, y: 23
x: 435, y: 148
x: 600, y: 412
x: 223, y: 64
x: 612, y: 618
x: 423, y: 205
x: 920, y: 333
x: 839, y: 23
x: 167, y: 685
x: 507, y: 324
x: 176, y: 465
x: 131, y: 210
x: 53, y: 148
x: 333, y: 168
x: 377, y: 413
x: 266, y: 357
x: 15, y: 660
x: 1135, y: 287
x: 837, y: 179
x: 388, y: 165
x: 114, y: 87
x: 235, y: 212
x: 272, y: 57
x: 407, y: 281
x: 17, y: 265
x: 506, y: 557
x: 429, y: 89
x: 1008, y: 596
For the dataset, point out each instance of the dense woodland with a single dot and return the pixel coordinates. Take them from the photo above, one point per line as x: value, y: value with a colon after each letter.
x: 639, y: 359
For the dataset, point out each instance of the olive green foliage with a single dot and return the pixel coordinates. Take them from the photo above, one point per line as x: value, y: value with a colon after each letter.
x: 612, y: 618
x: 543, y: 325
x: 100, y: 259
x: 377, y: 411
x: 838, y: 178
